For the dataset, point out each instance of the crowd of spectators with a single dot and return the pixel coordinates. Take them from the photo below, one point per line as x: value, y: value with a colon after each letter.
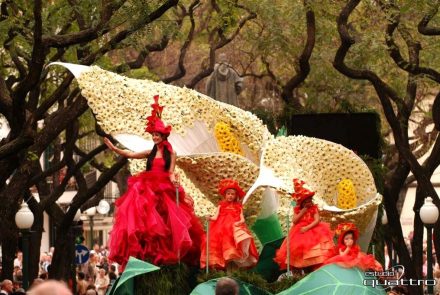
x: 94, y: 277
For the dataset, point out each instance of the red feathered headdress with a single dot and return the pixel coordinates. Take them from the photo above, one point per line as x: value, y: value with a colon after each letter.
x: 154, y: 122
x: 301, y: 193
x: 230, y: 183
x: 345, y: 227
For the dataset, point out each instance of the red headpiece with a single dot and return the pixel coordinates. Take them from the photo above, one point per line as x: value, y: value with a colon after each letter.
x: 345, y: 227
x: 301, y: 193
x: 154, y: 122
x: 230, y: 183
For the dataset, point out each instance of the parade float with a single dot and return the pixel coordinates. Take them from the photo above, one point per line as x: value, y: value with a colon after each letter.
x: 214, y: 140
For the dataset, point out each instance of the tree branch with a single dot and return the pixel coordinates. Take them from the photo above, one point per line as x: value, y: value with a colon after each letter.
x: 14, y: 146
x: 346, y: 42
x: 37, y: 61
x: 393, y: 48
x: 58, y: 121
x: 304, y: 65
x: 86, y: 34
x: 103, y: 179
x: 59, y: 93
x: 181, y: 71
x: 140, y: 59
x: 423, y: 24
x: 5, y: 99
x: 125, y: 33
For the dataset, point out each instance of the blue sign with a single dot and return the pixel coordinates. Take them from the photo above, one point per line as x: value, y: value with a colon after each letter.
x: 82, y: 254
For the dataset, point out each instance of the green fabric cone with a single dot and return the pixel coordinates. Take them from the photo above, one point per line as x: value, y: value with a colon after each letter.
x: 268, y: 229
x: 282, y: 131
x: 125, y: 284
x: 208, y: 288
x: 333, y: 279
x: 266, y: 266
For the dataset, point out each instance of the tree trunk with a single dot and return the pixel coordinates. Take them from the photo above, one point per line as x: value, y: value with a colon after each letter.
x: 9, y: 239
x: 64, y: 256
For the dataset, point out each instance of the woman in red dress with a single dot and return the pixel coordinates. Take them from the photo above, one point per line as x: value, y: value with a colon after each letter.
x: 230, y: 244
x: 148, y: 223
x: 348, y: 253
x: 310, y: 240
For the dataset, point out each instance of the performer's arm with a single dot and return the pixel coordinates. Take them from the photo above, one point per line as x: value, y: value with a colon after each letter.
x: 342, y: 253
x: 313, y: 224
x: 215, y: 216
x: 126, y: 153
x: 241, y: 221
x: 173, y: 176
x: 297, y: 217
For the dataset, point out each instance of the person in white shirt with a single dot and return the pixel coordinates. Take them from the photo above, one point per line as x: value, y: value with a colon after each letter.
x: 102, y: 281
x: 18, y: 261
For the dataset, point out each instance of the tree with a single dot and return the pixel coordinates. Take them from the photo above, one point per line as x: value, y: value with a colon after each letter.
x: 398, y: 108
x: 33, y: 35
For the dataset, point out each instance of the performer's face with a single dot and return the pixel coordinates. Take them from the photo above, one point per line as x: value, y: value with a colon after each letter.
x: 230, y: 195
x: 307, y: 203
x: 157, y: 137
x: 348, y: 239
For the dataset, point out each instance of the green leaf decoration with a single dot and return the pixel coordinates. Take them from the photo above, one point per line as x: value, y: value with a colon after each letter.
x: 334, y: 280
x: 208, y: 288
x: 135, y: 267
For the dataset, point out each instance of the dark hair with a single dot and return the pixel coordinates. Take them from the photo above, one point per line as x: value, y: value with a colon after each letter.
x: 165, y: 154
x: 349, y: 232
x: 226, y: 286
x: 302, y: 202
x: 81, y: 275
x: 112, y: 276
x: 400, y: 290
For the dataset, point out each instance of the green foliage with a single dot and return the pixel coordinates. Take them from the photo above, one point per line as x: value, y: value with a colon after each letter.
x: 181, y: 279
x: 31, y: 156
x: 268, y: 118
x: 248, y: 276
x: 170, y: 279
x: 142, y: 73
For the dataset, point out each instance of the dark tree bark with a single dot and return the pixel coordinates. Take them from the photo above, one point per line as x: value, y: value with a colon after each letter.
x: 303, y: 68
x: 23, y: 102
x: 397, y: 111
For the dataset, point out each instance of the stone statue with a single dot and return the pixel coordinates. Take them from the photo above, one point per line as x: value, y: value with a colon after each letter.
x: 224, y: 84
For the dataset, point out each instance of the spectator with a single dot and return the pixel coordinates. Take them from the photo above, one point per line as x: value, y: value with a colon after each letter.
x: 50, y: 287
x: 226, y: 286
x: 16, y: 285
x: 81, y: 283
x: 437, y: 280
x: 112, y: 277
x: 102, y: 281
x: 43, y: 276
x: 91, y: 290
x: 19, y: 291
x: 6, y: 287
x: 398, y: 290
x: 36, y: 282
x: 104, y: 263
x: 18, y: 261
x: 113, y: 268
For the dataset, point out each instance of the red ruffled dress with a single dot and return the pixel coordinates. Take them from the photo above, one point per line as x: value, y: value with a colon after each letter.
x: 312, y: 247
x: 355, y: 258
x: 150, y: 226
x: 228, y: 242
